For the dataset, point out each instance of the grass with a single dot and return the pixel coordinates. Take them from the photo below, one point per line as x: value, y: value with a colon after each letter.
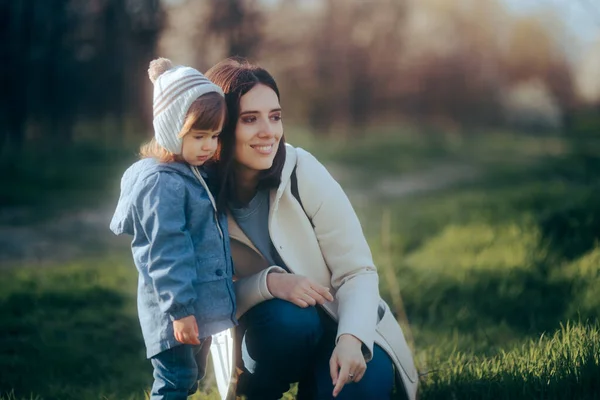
x: 564, y: 365
x: 488, y: 267
x: 499, y: 278
x: 71, y: 332
x: 392, y: 151
x: 48, y: 181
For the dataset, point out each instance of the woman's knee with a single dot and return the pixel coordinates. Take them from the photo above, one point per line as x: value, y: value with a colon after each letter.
x: 281, y: 318
x: 281, y: 326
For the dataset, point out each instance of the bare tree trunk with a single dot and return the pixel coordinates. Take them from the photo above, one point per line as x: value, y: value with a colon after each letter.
x: 360, y: 96
x: 59, y: 71
x: 238, y: 22
x: 16, y: 30
x: 322, y: 111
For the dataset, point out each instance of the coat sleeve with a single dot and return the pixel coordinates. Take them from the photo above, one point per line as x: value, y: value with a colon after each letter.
x: 344, y: 248
x: 252, y: 290
x: 171, y: 257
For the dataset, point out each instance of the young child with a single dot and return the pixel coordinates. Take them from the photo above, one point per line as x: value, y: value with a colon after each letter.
x: 180, y: 242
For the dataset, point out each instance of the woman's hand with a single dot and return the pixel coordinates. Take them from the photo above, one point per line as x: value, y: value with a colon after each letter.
x: 186, y: 330
x: 297, y: 289
x: 347, y: 363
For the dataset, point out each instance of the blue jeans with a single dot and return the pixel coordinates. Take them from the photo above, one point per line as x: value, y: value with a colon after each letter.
x: 178, y: 370
x: 291, y: 344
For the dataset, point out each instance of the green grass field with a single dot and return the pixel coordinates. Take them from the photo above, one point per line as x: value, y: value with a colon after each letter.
x: 47, y: 181
x: 499, y: 279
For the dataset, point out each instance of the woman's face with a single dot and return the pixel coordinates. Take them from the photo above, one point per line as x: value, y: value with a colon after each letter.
x: 259, y: 129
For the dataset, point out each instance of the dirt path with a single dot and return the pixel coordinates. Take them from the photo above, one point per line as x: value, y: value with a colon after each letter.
x: 70, y: 236
x: 410, y: 184
x: 85, y: 232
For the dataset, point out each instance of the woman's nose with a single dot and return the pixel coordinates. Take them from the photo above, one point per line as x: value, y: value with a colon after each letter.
x: 266, y: 129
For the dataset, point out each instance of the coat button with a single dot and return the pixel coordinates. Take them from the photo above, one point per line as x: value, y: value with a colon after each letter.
x: 219, y: 272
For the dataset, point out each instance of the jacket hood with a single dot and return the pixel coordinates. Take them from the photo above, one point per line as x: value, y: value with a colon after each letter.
x: 131, y: 185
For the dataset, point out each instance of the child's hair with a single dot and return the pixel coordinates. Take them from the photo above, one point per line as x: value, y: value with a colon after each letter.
x: 206, y: 113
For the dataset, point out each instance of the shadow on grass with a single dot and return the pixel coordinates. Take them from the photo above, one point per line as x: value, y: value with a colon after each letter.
x: 526, y: 302
x: 70, y: 343
x: 573, y: 229
x: 563, y: 195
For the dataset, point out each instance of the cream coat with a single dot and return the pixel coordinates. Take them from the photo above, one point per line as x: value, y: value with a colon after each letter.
x: 334, y: 253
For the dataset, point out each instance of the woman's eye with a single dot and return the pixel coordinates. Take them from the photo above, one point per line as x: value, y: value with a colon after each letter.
x: 249, y: 119
x: 276, y: 117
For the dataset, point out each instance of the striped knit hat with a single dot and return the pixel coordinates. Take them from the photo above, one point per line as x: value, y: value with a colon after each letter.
x: 175, y: 89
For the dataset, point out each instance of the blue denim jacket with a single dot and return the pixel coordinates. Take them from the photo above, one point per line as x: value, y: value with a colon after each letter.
x: 181, y: 249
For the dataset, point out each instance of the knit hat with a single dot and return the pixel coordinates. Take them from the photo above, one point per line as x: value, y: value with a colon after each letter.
x: 175, y: 89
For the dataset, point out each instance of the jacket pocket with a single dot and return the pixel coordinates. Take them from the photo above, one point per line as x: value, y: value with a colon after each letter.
x: 214, y: 290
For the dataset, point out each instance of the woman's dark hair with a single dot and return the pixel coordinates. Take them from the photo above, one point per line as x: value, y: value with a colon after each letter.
x: 237, y: 76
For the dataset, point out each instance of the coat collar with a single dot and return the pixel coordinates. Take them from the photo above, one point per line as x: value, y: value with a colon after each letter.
x: 291, y: 157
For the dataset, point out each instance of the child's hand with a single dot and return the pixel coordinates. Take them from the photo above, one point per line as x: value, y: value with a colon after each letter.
x: 186, y: 330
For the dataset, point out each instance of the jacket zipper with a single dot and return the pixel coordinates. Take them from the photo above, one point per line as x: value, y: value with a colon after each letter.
x: 216, y: 217
x: 212, y: 200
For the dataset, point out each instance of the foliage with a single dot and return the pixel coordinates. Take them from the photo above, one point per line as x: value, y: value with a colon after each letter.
x: 498, y: 276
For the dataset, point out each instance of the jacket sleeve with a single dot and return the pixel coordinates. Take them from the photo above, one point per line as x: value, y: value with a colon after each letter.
x: 344, y: 248
x: 171, y: 259
x: 252, y: 290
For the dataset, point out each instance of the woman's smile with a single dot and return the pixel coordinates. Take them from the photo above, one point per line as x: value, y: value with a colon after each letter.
x: 264, y: 149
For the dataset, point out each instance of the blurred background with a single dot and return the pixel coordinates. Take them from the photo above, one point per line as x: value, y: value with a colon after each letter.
x: 466, y: 133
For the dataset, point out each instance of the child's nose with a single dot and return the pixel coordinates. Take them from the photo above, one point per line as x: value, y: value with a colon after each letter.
x: 210, y: 145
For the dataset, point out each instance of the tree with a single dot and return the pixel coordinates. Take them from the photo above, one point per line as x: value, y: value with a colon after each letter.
x: 70, y: 60
x: 238, y: 23
x: 15, y: 26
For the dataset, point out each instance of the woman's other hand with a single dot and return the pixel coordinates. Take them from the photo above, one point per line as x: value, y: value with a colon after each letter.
x: 297, y: 289
x: 347, y: 363
x: 186, y: 330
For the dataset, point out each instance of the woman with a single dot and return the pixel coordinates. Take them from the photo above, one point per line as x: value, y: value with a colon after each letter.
x: 307, y: 288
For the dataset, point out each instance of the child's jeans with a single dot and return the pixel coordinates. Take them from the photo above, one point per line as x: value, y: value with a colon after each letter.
x: 178, y: 370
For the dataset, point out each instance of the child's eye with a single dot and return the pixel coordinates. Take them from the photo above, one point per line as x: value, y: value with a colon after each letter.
x: 215, y: 136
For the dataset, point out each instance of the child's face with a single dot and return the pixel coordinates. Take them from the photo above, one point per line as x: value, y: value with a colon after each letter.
x: 199, y: 146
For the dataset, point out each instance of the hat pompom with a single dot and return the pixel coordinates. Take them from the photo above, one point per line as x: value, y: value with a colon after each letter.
x: 158, y: 67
